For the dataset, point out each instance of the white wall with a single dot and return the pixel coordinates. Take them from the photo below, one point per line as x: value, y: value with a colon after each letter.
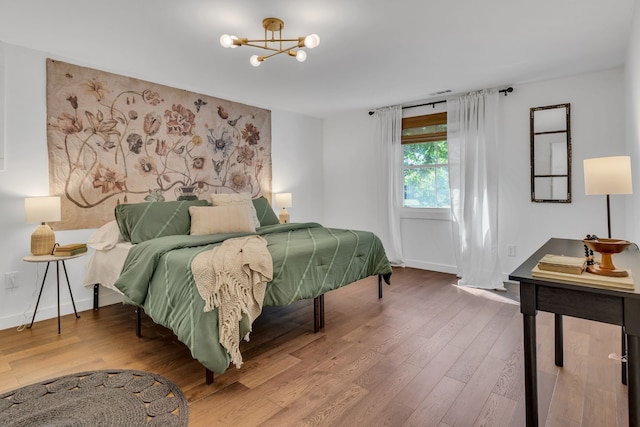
x: 296, y: 158
x: 632, y: 69
x: 597, y: 130
x: 350, y: 172
x: 597, y: 108
x: 352, y: 197
x: 298, y: 164
x: 1, y: 105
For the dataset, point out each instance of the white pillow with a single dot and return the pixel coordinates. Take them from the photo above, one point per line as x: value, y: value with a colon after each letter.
x: 226, y: 199
x: 106, y: 237
x: 221, y: 219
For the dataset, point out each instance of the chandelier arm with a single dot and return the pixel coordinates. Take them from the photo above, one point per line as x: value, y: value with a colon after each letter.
x: 276, y: 53
x: 271, y: 48
x: 244, y: 41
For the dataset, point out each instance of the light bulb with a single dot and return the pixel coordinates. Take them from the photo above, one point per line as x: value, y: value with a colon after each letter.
x: 301, y: 56
x: 255, y: 60
x: 226, y: 40
x: 312, y: 41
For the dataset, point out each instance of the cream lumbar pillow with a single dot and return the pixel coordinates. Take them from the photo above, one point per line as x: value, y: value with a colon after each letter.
x: 226, y: 199
x: 221, y: 220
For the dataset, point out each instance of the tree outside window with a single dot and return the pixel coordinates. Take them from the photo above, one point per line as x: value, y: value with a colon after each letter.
x: 426, y: 161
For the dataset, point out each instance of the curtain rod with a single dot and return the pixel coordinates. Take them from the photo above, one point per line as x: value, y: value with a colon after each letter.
x: 506, y: 91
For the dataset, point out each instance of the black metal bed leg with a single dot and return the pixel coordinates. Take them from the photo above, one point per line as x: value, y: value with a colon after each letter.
x: 318, y: 313
x: 96, y: 296
x: 387, y: 279
x: 208, y: 376
x: 139, y: 322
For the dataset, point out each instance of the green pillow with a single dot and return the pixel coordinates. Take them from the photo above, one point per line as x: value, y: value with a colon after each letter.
x: 144, y: 221
x: 264, y: 212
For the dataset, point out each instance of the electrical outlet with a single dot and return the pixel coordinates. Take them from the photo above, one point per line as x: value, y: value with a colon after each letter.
x: 511, y: 250
x: 11, y: 280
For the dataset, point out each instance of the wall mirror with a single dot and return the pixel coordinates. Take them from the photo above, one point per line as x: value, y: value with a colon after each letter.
x: 551, y: 153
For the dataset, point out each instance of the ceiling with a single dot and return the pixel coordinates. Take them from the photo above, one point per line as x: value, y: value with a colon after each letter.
x: 372, y: 53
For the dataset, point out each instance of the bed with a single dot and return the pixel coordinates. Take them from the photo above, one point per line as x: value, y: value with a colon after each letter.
x: 308, y: 261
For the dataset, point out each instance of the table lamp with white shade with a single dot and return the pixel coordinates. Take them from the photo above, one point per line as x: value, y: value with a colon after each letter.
x: 608, y: 175
x: 42, y: 210
x: 283, y: 200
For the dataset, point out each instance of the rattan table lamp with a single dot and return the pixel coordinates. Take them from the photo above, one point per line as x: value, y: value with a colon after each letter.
x: 283, y: 200
x: 42, y: 210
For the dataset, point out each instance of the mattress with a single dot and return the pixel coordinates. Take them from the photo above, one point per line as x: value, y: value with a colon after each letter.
x: 104, y: 266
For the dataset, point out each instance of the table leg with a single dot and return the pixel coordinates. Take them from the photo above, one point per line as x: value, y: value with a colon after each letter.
x: 623, y: 353
x: 528, y: 308
x: 39, y: 295
x: 633, y: 355
x: 69, y: 286
x: 58, y: 292
x: 530, y: 370
x: 559, y: 340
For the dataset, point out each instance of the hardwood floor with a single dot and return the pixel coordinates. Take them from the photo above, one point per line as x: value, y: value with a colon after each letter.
x: 427, y: 354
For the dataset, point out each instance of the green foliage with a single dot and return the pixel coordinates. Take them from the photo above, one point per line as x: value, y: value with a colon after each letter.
x: 426, y: 175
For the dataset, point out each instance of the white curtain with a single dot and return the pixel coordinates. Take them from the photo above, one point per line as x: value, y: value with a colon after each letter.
x: 390, y: 198
x: 472, y: 138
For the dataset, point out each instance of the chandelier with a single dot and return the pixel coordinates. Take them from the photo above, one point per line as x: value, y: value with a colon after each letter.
x: 273, y: 43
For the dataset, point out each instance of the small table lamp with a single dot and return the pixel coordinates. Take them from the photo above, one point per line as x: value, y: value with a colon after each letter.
x: 608, y: 175
x: 42, y: 210
x: 283, y: 200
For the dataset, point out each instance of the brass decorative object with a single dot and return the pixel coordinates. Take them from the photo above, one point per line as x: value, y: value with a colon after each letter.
x: 273, y: 43
x: 606, y: 248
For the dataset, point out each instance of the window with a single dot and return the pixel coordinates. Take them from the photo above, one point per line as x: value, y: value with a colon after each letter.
x: 426, y: 161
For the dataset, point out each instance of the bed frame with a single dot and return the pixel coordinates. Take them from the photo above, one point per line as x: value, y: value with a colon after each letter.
x: 318, y: 313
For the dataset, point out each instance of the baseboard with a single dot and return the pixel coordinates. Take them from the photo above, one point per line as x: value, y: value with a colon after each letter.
x: 442, y: 268
x: 107, y: 297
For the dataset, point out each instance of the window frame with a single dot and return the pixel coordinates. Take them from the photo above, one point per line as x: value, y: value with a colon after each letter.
x: 424, y: 120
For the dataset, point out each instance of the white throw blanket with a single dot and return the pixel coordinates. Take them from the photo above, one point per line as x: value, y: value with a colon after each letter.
x: 233, y: 278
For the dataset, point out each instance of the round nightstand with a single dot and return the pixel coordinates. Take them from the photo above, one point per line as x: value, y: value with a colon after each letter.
x: 58, y: 260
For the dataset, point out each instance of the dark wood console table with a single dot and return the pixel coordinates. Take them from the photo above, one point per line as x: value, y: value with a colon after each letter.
x: 608, y: 305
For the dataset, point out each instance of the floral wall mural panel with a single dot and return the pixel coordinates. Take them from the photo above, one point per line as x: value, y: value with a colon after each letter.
x: 115, y: 139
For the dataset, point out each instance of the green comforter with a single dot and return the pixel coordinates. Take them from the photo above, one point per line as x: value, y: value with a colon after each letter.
x: 308, y: 260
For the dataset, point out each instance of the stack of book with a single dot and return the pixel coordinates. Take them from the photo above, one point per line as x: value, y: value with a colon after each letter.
x: 563, y: 264
x: 70, y: 249
x: 573, y: 269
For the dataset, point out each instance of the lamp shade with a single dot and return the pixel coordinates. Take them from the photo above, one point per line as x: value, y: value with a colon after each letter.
x: 42, y: 209
x: 608, y: 175
x: 283, y: 200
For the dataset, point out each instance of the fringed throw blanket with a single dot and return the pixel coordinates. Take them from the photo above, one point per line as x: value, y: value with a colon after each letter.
x: 233, y: 278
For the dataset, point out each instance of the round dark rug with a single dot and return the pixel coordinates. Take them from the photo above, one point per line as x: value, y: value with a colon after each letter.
x: 97, y: 398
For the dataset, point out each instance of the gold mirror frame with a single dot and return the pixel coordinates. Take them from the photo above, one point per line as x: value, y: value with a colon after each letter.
x: 550, y: 149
